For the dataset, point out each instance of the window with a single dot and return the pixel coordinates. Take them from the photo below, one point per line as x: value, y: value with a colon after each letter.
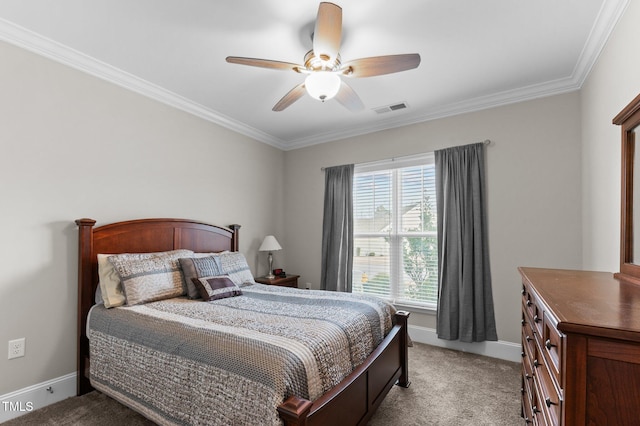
x: 395, y: 239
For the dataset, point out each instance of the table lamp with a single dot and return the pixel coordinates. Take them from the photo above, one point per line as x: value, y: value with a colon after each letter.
x: 270, y: 244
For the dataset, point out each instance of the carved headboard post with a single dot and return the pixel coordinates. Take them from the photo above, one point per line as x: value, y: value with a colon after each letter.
x: 85, y: 297
x: 235, y: 239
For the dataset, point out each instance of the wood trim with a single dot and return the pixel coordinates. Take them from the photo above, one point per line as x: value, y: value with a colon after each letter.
x: 628, y: 119
x: 628, y: 111
x: 617, y: 351
x: 574, y: 384
x: 85, y: 247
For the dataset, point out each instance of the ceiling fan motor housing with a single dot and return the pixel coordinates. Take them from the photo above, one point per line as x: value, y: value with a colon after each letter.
x: 321, y: 63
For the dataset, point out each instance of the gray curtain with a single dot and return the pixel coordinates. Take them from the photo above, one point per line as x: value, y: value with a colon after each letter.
x: 337, y: 229
x: 465, y: 301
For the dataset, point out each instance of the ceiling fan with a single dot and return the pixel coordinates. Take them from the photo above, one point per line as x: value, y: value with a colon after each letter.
x: 323, y: 64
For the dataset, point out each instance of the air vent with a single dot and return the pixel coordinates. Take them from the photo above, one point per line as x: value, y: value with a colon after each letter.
x: 389, y: 108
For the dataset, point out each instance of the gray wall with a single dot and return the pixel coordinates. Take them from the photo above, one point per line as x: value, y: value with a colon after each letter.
x: 75, y: 146
x: 613, y: 82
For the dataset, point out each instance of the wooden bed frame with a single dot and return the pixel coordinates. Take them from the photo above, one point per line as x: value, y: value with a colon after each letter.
x: 352, y: 402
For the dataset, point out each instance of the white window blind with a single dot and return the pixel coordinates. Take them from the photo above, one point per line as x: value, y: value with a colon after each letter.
x: 395, y: 240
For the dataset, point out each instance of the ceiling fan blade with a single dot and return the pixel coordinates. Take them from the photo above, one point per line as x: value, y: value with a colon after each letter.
x: 380, y: 65
x: 293, y: 95
x: 328, y: 31
x: 349, y: 98
x: 264, y: 63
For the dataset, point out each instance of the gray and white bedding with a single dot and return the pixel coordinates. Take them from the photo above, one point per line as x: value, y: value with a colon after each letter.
x: 232, y: 361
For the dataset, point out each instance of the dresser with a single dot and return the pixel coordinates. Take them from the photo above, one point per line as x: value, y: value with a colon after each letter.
x: 580, y: 348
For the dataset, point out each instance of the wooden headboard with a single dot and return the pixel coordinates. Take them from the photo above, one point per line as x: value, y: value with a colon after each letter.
x: 135, y: 236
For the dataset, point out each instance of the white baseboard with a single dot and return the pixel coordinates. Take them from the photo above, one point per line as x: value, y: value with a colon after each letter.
x: 31, y: 398
x: 503, y: 350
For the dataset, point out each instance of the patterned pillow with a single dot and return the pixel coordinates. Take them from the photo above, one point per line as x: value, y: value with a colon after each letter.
x: 235, y: 266
x: 149, y: 278
x: 213, y: 288
x: 196, y: 267
x: 109, y: 280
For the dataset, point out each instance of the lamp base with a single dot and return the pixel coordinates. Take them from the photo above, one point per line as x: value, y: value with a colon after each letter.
x: 270, y: 275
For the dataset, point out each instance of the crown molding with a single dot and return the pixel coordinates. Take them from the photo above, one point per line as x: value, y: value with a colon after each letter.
x: 609, y: 15
x: 33, y: 42
x: 477, y: 104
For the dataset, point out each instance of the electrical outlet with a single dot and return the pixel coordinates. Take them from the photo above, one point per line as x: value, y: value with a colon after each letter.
x: 16, y: 348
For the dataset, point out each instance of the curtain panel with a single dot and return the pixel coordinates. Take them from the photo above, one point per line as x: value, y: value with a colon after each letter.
x: 465, y: 301
x: 337, y: 229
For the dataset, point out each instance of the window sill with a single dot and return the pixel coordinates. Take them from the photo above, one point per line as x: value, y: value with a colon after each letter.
x: 417, y: 309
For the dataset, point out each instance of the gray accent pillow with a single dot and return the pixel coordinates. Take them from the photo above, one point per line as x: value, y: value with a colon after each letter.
x: 198, y: 267
x: 213, y: 288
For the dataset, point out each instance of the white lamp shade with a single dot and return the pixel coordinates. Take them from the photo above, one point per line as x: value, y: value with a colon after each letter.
x: 270, y: 244
x: 322, y: 85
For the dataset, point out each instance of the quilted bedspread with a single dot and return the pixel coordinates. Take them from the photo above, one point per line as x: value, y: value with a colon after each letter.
x: 232, y: 361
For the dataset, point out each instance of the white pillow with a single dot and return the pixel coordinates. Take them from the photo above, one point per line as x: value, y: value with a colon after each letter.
x: 109, y: 281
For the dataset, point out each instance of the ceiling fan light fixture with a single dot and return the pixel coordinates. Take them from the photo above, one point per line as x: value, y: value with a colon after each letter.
x: 323, y: 64
x: 322, y: 85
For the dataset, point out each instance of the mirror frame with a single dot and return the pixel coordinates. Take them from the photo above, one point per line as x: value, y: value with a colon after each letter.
x: 629, y: 120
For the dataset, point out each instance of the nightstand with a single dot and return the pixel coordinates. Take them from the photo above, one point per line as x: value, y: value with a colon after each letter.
x: 288, y: 281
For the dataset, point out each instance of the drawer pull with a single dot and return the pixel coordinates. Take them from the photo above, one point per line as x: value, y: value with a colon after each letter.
x: 536, y: 363
x: 527, y: 420
x: 522, y: 321
x: 528, y: 377
x: 529, y: 338
x: 528, y: 302
x: 536, y: 319
x: 535, y: 409
x: 524, y: 291
x: 522, y: 354
x: 549, y: 345
x: 549, y: 403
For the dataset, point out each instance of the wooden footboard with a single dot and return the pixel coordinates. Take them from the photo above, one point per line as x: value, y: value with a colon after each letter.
x: 354, y: 400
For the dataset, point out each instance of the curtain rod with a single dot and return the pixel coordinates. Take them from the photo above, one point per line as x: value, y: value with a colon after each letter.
x: 486, y: 142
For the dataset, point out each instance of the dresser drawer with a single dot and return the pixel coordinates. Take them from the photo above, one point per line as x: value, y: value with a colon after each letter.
x: 552, y: 346
x: 528, y: 336
x: 527, y: 397
x: 537, y: 414
x: 527, y: 376
x: 532, y: 307
x: 548, y: 397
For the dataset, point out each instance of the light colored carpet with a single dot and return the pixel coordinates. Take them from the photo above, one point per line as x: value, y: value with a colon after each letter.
x: 454, y: 388
x: 447, y: 388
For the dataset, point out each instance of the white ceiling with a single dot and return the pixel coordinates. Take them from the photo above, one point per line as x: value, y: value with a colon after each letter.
x: 475, y: 55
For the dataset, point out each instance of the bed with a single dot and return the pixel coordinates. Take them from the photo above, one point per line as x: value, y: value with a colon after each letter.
x: 347, y: 398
